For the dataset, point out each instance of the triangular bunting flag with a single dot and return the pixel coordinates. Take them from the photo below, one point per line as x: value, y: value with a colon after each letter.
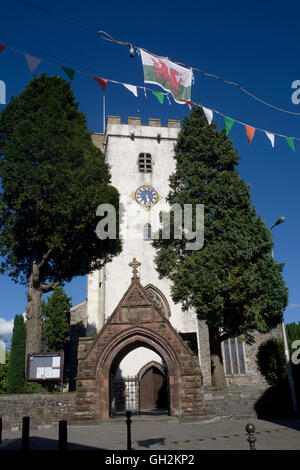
x: 290, y: 141
x: 250, y: 131
x: 271, y: 137
x: 131, y: 88
x: 159, y: 96
x: 2, y: 47
x: 189, y: 102
x: 101, y: 81
x: 69, y: 72
x: 228, y: 124
x: 208, y: 114
x: 32, y: 62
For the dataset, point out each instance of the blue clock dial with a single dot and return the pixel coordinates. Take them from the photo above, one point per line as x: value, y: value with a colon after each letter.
x: 146, y: 196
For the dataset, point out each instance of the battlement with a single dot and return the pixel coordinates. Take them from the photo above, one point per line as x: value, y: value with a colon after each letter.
x: 134, y: 129
x: 136, y: 121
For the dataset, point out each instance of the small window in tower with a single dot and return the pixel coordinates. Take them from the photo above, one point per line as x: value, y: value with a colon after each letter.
x: 147, y: 232
x: 145, y: 163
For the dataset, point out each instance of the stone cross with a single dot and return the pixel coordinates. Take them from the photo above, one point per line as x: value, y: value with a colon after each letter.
x: 134, y: 265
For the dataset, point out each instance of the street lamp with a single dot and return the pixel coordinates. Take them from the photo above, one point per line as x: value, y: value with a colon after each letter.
x: 278, y: 222
x: 286, y: 348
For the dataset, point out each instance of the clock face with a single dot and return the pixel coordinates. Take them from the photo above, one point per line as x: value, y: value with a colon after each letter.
x: 146, y: 196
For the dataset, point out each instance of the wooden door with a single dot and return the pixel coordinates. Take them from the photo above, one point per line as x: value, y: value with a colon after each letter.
x: 153, y: 390
x: 146, y: 390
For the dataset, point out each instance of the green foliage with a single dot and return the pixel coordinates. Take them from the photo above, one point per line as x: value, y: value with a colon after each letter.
x: 34, y: 387
x: 55, y: 314
x: 270, y: 361
x: 293, y: 333
x: 232, y: 282
x: 53, y: 180
x: 16, y: 365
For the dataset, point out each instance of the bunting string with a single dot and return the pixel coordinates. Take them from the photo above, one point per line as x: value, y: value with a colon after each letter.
x: 108, y: 37
x: 33, y: 62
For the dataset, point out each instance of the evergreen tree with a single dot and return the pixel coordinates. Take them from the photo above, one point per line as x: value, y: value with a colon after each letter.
x: 55, y: 314
x: 293, y: 333
x: 232, y: 282
x: 16, y: 366
x: 53, y: 179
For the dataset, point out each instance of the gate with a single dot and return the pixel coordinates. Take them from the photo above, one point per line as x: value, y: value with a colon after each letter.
x: 124, y: 395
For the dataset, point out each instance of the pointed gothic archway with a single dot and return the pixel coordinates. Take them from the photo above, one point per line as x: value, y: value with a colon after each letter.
x: 136, y: 322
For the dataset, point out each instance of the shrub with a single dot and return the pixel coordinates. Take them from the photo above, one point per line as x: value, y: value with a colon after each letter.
x: 34, y: 387
x: 16, y: 365
x: 270, y: 361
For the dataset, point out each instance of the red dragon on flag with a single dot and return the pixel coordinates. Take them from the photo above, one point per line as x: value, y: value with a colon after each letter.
x: 170, y: 76
x: 162, y: 72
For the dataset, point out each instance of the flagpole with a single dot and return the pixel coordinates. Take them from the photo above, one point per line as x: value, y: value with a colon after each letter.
x: 103, y: 113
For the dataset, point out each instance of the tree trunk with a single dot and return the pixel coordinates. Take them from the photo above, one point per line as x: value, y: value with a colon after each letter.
x: 217, y: 367
x: 33, y: 312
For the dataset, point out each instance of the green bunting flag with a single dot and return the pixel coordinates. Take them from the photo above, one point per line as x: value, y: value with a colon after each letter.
x: 159, y: 96
x: 228, y: 124
x: 69, y: 72
x: 290, y: 141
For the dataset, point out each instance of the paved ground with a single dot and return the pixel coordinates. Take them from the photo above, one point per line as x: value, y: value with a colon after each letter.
x: 163, y: 435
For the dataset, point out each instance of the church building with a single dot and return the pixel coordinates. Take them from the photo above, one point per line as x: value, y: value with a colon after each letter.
x: 137, y: 349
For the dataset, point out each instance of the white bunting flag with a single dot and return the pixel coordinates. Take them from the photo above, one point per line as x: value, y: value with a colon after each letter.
x: 131, y: 88
x: 271, y: 137
x: 208, y: 114
x: 32, y: 62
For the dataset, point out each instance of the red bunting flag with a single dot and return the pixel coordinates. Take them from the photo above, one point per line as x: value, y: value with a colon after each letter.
x: 187, y: 101
x: 102, y: 82
x: 250, y: 131
x: 2, y: 47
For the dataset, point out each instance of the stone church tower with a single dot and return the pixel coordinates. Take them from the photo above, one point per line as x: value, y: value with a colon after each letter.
x: 141, y: 160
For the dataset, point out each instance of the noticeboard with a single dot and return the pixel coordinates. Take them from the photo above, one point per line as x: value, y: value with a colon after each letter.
x: 45, y: 366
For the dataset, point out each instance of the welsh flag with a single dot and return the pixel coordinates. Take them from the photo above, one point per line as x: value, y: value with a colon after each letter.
x: 171, y: 77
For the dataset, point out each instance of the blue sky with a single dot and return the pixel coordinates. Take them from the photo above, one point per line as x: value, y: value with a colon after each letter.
x: 256, y: 46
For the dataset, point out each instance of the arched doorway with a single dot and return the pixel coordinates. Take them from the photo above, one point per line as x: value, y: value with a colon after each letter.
x: 138, y: 386
x: 136, y: 322
x: 154, y: 389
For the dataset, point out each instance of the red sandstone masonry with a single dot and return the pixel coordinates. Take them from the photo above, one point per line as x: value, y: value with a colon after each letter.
x: 97, y: 357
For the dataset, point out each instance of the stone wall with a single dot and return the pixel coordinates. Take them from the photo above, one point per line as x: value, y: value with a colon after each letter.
x: 253, y: 376
x: 43, y: 409
x: 238, y: 402
x: 204, y: 352
x: 234, y: 402
x: 78, y: 313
